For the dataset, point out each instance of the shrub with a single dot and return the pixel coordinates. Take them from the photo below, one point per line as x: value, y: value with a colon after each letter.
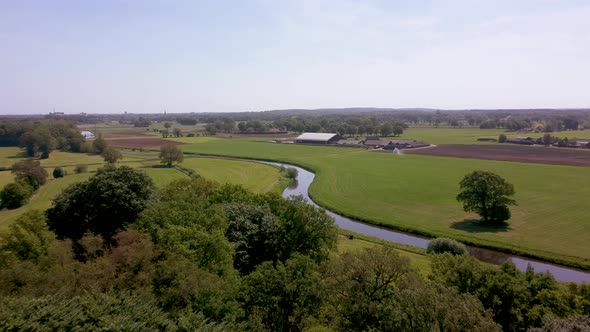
x: 442, y: 245
x: 81, y: 169
x: 58, y: 172
x: 15, y: 195
x: 502, y: 138
x: 292, y: 173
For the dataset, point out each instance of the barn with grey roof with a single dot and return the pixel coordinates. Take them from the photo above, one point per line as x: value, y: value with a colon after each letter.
x: 318, y: 138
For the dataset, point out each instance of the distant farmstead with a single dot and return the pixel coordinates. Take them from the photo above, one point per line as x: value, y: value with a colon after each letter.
x: 87, y: 134
x: 318, y: 138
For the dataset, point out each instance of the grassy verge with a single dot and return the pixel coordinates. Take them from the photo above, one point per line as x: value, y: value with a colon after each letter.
x: 417, y: 256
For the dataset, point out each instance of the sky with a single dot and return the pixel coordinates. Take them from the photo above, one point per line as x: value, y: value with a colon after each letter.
x: 143, y: 56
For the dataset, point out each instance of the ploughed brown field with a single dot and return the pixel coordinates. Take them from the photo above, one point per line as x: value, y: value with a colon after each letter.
x: 141, y: 142
x: 127, y: 135
x: 509, y: 152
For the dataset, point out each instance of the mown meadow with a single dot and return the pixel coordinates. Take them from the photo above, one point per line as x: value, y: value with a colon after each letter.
x: 417, y: 194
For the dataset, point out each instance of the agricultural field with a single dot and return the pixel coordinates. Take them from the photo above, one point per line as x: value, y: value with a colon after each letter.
x: 470, y: 135
x: 510, y: 152
x: 253, y: 176
x: 417, y: 194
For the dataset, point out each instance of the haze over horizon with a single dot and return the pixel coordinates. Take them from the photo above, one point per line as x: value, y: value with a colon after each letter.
x: 230, y: 56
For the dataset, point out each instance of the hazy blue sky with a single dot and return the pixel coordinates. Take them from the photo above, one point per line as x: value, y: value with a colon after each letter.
x: 209, y: 56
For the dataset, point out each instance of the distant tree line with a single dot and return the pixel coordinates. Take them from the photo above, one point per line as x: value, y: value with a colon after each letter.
x: 39, y: 138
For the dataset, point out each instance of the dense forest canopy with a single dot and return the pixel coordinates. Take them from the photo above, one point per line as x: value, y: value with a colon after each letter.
x: 200, y: 255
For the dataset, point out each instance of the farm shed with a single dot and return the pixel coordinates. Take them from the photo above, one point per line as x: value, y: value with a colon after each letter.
x: 404, y: 144
x: 521, y: 140
x: 348, y: 142
x: 87, y: 134
x: 375, y: 142
x: 318, y: 138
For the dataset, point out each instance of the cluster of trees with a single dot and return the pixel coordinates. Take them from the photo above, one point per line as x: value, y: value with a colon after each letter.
x: 40, y: 138
x: 345, y: 126
x: 113, y: 252
x: 109, y: 153
x: 29, y: 176
x: 176, y: 132
x: 225, y: 125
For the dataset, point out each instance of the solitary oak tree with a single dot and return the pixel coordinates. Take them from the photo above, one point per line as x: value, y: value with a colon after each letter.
x: 486, y: 194
x: 170, y: 154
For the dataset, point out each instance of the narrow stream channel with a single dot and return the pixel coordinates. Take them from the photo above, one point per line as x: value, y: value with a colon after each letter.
x: 305, y: 178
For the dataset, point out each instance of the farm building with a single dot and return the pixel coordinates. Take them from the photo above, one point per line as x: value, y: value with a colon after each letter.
x: 376, y: 143
x: 318, y: 138
x: 521, y: 140
x: 404, y: 144
x: 87, y: 134
x: 348, y: 142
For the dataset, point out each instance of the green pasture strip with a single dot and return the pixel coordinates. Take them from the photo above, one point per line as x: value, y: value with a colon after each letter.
x: 417, y: 256
x: 163, y: 176
x: 10, y: 155
x: 41, y: 200
x: 184, y: 128
x: 5, y: 178
x: 417, y: 194
x: 253, y: 176
x: 115, y: 128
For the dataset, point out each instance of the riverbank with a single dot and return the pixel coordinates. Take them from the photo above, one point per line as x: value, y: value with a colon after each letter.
x: 416, y: 194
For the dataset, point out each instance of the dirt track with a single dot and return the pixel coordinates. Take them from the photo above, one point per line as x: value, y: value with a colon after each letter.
x: 509, y: 152
x: 141, y: 142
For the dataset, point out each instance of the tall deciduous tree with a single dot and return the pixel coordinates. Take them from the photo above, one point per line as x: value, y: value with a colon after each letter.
x: 108, y: 201
x: 31, y: 172
x: 111, y: 155
x: 39, y: 141
x: 485, y: 193
x: 170, y: 154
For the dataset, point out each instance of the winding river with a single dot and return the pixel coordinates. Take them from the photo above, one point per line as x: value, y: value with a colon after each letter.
x: 305, y: 178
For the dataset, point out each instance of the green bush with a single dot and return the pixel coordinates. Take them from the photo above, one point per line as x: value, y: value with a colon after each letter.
x: 291, y: 173
x: 58, y: 172
x: 81, y: 169
x: 502, y: 138
x: 442, y: 245
x: 15, y: 194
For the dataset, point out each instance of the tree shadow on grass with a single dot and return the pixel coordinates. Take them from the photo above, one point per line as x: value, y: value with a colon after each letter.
x: 19, y: 155
x: 477, y: 226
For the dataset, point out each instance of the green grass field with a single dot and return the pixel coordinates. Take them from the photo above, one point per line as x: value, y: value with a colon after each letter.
x: 417, y: 193
x: 254, y: 176
x: 419, y: 261
x: 41, y: 200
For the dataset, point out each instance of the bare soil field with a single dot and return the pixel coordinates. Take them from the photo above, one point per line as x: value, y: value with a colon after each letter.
x: 141, y: 142
x: 507, y: 152
x: 127, y: 135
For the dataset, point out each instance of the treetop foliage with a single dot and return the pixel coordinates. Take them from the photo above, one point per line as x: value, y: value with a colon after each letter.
x: 30, y: 171
x: 170, y: 154
x: 108, y: 201
x: 486, y: 194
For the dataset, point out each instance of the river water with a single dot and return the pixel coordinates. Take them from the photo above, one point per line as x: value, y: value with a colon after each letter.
x: 305, y: 178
